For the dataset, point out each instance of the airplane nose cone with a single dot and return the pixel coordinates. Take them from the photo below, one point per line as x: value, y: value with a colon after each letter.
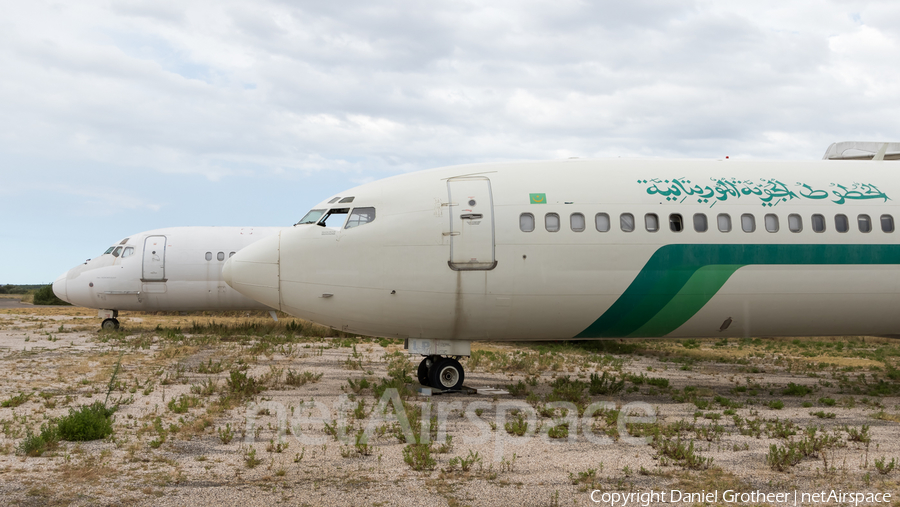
x: 59, y: 287
x: 253, y: 271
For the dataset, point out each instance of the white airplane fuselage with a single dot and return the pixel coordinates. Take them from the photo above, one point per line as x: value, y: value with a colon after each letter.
x: 448, y: 254
x: 172, y: 269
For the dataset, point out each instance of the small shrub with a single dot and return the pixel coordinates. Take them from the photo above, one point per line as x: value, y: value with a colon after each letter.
x: 45, y: 296
x: 240, y: 385
x: 776, y: 404
x: 418, y: 457
x: 250, y: 458
x: 793, y: 389
x: 517, y: 389
x: 824, y: 415
x: 90, y: 422
x: 517, y: 427
x: 884, y: 468
x: 782, y: 457
x: 559, y: 431
x: 225, y: 434
x: 828, y: 402
x: 605, y: 384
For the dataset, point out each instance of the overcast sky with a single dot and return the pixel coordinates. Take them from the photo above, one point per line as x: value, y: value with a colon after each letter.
x: 127, y: 115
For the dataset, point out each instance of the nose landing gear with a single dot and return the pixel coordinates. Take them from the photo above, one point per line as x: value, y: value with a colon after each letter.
x: 110, y: 322
x: 444, y: 373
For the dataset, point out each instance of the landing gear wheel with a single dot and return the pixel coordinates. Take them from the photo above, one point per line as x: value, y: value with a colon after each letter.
x: 422, y: 372
x: 446, y: 374
x: 109, y: 325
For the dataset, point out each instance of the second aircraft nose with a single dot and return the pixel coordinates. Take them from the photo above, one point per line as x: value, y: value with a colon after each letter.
x: 253, y: 271
x: 59, y: 287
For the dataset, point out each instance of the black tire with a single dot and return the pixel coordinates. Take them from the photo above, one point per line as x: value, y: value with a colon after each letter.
x: 422, y: 372
x: 447, y: 375
x: 109, y: 325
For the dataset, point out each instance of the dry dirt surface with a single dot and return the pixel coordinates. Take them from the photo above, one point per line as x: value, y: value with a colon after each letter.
x: 239, y: 410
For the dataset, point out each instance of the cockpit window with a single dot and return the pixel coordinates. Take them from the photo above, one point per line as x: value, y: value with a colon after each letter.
x: 360, y: 216
x: 336, y: 199
x: 109, y: 250
x: 347, y: 199
x: 335, y: 217
x: 312, y: 217
x: 128, y: 251
x: 117, y: 251
x: 124, y: 241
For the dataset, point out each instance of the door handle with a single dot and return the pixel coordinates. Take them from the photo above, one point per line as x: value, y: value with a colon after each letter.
x: 471, y: 216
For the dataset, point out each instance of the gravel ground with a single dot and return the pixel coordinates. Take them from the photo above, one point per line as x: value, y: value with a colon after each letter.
x: 180, y: 454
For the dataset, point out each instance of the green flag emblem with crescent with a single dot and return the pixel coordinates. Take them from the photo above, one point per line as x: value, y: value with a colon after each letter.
x: 538, y: 198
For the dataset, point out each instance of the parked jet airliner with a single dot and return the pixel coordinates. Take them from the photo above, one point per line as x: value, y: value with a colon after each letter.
x: 587, y: 249
x: 174, y: 269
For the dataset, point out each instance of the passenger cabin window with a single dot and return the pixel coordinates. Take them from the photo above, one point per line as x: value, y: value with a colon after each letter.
x: 128, y: 251
x: 601, y: 221
x: 230, y: 255
x: 551, y: 222
x: 724, y: 221
x: 676, y: 223
x: 795, y: 222
x: 117, y: 251
x: 818, y: 223
x: 526, y: 222
x: 334, y: 218
x: 209, y: 256
x: 841, y: 224
x: 360, y: 216
x: 771, y: 222
x: 700, y: 222
x: 887, y: 223
x: 313, y: 216
x: 220, y: 256
x: 651, y: 222
x: 748, y: 222
x: 576, y: 222
x: 626, y: 222
x: 864, y: 223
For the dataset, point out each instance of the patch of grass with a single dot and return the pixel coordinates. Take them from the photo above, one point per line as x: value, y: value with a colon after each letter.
x: 302, y: 378
x: 824, y: 415
x: 828, y: 402
x: 776, y: 404
x: 183, y: 403
x: 16, y: 400
x: 250, y: 459
x: 38, y: 444
x: 793, y: 389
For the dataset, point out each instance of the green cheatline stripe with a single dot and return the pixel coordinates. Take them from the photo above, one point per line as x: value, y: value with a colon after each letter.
x: 679, y: 280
